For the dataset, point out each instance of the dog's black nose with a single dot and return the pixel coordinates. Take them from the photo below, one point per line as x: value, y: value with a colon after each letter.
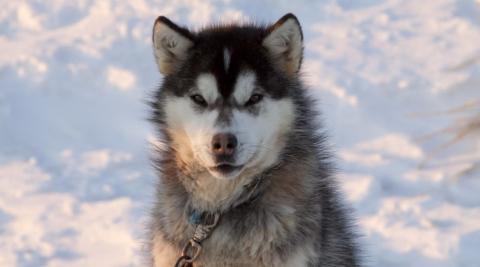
x: 224, y: 144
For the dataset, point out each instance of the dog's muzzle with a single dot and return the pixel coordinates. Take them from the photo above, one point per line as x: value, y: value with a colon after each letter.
x: 224, y: 147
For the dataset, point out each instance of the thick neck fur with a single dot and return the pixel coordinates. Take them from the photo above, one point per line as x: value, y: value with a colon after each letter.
x: 207, y: 193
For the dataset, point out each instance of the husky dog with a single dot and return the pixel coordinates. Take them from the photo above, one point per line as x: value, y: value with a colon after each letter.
x: 242, y: 147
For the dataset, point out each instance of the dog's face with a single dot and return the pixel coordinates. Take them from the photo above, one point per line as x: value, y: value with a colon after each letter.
x: 225, y: 100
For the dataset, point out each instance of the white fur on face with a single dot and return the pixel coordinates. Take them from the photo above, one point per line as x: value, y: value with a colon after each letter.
x: 193, y: 130
x: 260, y: 135
x: 244, y: 86
x: 207, y: 85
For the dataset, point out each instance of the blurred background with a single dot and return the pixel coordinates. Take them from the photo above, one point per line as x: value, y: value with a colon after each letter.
x: 399, y: 89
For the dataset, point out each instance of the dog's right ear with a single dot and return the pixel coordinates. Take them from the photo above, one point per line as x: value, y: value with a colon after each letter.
x: 171, y: 44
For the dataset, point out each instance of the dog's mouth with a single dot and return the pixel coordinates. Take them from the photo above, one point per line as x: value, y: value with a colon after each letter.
x: 225, y: 168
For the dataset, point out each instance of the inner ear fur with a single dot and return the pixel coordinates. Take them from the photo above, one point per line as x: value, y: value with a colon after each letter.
x: 171, y: 44
x: 284, y: 43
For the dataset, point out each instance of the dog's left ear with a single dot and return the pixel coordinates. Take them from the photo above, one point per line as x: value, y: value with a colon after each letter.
x: 171, y: 45
x: 284, y: 43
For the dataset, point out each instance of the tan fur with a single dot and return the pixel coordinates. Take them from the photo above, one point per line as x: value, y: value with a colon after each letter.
x: 164, y: 255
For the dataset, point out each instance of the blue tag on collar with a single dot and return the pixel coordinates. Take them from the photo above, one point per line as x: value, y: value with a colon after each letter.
x: 195, y: 217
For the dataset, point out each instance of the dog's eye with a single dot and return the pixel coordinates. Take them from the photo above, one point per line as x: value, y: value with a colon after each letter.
x: 254, y: 99
x: 199, y: 100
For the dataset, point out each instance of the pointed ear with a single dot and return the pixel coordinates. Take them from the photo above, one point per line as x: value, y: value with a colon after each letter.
x: 284, y: 42
x: 171, y: 44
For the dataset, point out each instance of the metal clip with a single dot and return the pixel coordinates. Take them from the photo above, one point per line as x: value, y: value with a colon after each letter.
x: 202, y: 231
x: 191, y: 250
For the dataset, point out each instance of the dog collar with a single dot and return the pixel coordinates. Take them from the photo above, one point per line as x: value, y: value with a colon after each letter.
x: 195, y: 217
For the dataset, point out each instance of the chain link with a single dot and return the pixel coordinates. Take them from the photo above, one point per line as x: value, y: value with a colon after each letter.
x: 183, y: 261
x: 193, y: 248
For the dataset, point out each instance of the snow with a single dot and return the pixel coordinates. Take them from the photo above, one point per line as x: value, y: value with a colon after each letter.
x: 120, y: 78
x: 392, y: 77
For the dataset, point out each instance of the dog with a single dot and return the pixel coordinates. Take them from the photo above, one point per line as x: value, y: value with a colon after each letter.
x: 245, y: 175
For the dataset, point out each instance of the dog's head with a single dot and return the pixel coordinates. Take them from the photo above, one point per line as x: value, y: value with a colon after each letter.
x: 225, y: 102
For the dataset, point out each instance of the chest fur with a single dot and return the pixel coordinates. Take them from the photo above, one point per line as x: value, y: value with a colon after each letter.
x: 247, y: 237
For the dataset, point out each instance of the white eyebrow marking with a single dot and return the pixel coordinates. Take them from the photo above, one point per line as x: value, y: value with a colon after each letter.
x: 207, y: 85
x: 244, y: 86
x: 226, y: 58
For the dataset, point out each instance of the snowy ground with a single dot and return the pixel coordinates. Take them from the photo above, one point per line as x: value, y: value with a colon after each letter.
x: 75, y: 181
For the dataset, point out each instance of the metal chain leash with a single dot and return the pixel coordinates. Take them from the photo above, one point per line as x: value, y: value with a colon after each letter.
x: 193, y: 248
x: 204, y: 225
